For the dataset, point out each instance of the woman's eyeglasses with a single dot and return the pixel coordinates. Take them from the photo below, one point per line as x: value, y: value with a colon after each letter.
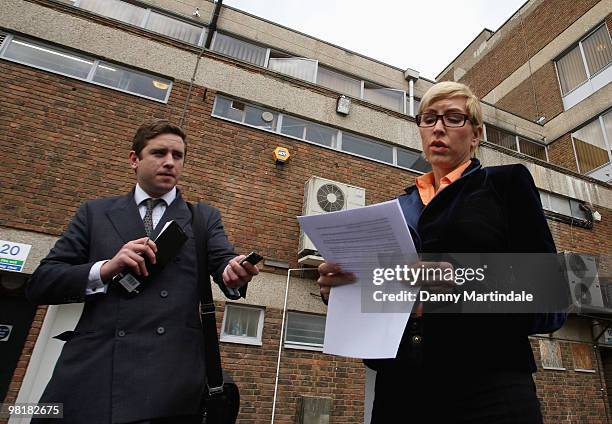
x: 452, y: 120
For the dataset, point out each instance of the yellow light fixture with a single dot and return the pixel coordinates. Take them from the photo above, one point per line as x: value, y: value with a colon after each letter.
x: 160, y: 85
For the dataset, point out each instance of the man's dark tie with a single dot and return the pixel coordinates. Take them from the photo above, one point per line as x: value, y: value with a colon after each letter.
x: 148, y: 218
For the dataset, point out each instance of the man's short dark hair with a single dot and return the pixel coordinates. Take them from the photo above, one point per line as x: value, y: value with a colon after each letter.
x: 152, y: 129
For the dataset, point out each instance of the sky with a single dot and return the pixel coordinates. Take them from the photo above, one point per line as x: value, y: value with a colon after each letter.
x: 423, y: 35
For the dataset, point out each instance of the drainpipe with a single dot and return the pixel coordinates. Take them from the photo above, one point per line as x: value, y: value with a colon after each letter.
x: 211, y: 30
x: 212, y: 27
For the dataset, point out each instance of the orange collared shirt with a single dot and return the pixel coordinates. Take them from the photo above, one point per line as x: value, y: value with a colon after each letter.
x: 425, y: 183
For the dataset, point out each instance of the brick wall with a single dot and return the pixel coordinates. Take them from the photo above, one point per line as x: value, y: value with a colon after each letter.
x: 569, y: 396
x: 66, y: 141
x: 545, y: 102
x: 561, y: 152
x: 539, y: 27
x: 301, y: 372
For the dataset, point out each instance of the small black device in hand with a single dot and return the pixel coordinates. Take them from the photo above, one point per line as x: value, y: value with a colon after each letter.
x: 253, y: 258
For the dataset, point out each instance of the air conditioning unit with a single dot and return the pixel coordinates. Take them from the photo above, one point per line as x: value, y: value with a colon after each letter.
x: 323, y: 196
x: 583, y: 281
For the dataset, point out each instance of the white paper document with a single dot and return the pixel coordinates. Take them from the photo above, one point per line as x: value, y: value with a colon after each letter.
x: 360, y: 240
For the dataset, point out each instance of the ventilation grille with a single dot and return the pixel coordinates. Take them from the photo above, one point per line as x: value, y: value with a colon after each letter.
x: 330, y: 198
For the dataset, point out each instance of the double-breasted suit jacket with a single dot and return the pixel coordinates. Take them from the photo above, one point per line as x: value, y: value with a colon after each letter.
x: 129, y: 358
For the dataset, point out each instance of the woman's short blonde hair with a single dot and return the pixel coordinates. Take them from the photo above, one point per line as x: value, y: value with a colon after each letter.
x: 448, y: 89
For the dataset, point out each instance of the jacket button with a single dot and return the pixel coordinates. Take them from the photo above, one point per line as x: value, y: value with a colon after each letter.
x: 121, y: 333
x: 160, y: 330
x: 417, y: 339
x: 163, y: 293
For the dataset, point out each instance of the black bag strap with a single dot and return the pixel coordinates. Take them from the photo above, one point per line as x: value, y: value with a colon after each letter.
x: 212, y: 356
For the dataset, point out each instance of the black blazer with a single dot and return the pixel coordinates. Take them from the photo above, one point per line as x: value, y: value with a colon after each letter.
x: 488, y: 210
x: 130, y: 358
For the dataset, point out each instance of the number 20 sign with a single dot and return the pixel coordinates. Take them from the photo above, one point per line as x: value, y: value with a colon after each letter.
x: 13, y: 255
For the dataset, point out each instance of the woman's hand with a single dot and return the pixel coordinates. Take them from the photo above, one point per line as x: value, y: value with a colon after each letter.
x: 331, y: 275
x: 432, y: 277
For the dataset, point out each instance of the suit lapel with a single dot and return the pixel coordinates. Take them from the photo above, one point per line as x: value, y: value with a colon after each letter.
x: 126, y: 218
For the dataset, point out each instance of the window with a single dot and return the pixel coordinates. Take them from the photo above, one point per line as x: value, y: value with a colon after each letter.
x: 242, y: 324
x: 571, y: 70
x: 386, y: 97
x: 514, y: 142
x: 368, y: 148
x: 240, y: 112
x: 417, y: 105
x: 175, y: 28
x: 260, y: 118
x: 304, y: 130
x: 501, y: 138
x: 597, y: 50
x: 48, y: 58
x: 412, y: 160
x: 339, y: 82
x: 297, y: 67
x: 239, y: 49
x: 131, y: 81
x: 64, y: 62
x: 590, y: 147
x: 563, y: 206
x: 116, y: 9
x: 147, y: 18
x: 305, y: 330
x: 532, y: 149
x: 585, y: 68
x: 265, y: 119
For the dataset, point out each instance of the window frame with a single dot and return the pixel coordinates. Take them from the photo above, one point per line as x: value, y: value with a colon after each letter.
x: 517, y: 137
x: 545, y: 198
x: 589, y: 76
x: 230, y: 338
x: 338, y: 145
x: 607, y: 141
x: 95, y: 63
x: 147, y: 12
x: 300, y: 345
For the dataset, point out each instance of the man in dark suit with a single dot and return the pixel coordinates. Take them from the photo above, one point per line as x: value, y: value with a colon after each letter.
x: 135, y: 359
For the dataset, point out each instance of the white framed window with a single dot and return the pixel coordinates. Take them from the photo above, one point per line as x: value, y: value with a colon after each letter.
x: 242, y: 324
x: 78, y: 66
x: 514, y: 142
x: 296, y: 67
x: 175, y: 28
x: 147, y: 18
x: 562, y: 205
x: 322, y: 135
x: 304, y: 331
x: 369, y: 148
x: 501, y: 138
x: 593, y: 148
x: 387, y: 97
x: 239, y: 49
x: 116, y: 9
x: 251, y: 115
x: 338, y: 82
x: 310, y: 131
x: 585, y: 68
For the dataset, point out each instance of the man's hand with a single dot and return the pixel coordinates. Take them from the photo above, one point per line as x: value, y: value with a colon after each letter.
x: 131, y: 256
x: 236, y: 275
x: 331, y: 275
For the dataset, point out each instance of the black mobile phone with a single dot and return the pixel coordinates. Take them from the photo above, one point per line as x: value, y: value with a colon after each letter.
x: 253, y: 258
